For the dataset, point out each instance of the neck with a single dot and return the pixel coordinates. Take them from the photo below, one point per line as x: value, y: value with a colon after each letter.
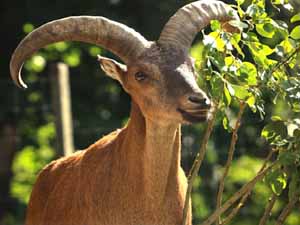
x: 154, y: 155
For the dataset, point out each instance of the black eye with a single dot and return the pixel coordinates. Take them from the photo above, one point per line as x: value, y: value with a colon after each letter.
x: 140, y: 76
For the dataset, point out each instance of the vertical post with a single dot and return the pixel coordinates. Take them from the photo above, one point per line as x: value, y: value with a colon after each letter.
x: 59, y: 73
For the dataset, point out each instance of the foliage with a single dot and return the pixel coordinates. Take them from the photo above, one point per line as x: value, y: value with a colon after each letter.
x: 30, y: 161
x: 257, y: 66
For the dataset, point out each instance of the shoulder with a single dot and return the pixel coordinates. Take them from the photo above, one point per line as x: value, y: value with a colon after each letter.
x: 101, y: 148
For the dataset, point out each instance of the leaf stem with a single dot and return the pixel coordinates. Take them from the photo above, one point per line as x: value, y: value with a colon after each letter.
x: 245, y: 197
x: 245, y: 190
x: 235, y: 210
x: 231, y: 150
x: 287, y: 210
x: 279, y: 64
x: 197, y: 162
x: 268, y: 210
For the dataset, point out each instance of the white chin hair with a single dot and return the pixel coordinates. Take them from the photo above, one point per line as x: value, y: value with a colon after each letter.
x: 209, y: 115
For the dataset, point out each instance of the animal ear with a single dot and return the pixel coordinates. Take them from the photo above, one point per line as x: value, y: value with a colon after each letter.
x: 112, y: 68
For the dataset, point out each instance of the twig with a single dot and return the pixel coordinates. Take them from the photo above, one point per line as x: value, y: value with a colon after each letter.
x: 273, y: 198
x: 279, y: 64
x: 197, y: 163
x: 267, y: 159
x: 231, y: 150
x: 268, y: 209
x: 245, y: 197
x: 287, y: 210
x: 246, y: 189
x: 235, y: 210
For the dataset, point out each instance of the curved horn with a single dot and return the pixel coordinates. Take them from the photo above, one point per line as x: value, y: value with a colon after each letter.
x: 182, y: 28
x: 115, y: 37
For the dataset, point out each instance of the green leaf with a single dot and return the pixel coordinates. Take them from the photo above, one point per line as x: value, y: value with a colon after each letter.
x: 235, y: 42
x: 229, y: 60
x: 225, y: 123
x: 259, y: 53
x: 248, y: 73
x: 287, y: 46
x: 277, y: 180
x: 216, y: 41
x: 276, y: 118
x: 295, y: 34
x: 250, y: 36
x: 295, y: 18
x: 253, y: 10
x: 287, y: 158
x: 280, y: 184
x: 296, y: 107
x: 253, y: 107
x: 197, y: 51
x: 240, y: 92
x: 227, y: 96
x: 217, y: 86
x: 218, y: 60
x: 274, y: 131
x: 215, y: 25
x: 265, y: 49
x: 266, y: 30
x: 220, y: 44
x: 278, y: 2
x: 251, y: 101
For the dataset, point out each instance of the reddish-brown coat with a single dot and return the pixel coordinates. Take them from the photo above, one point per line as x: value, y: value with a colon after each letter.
x: 114, y: 181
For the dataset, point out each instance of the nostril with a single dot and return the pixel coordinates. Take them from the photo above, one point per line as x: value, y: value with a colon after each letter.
x: 199, y: 100
x: 207, y: 102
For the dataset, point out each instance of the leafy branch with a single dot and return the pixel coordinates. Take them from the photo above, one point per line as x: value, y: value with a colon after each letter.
x: 286, y: 60
x: 257, y: 70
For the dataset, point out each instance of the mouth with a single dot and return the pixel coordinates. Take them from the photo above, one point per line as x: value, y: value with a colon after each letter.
x: 194, y: 116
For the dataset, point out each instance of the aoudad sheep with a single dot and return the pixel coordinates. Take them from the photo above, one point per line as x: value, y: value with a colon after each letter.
x: 133, y: 175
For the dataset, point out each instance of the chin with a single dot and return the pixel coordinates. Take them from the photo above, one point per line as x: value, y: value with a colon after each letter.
x: 189, y: 118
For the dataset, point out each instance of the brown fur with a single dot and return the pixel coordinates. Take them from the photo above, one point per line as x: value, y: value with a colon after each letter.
x: 115, y: 181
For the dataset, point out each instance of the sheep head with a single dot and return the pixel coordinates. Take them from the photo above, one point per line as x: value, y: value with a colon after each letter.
x: 159, y: 76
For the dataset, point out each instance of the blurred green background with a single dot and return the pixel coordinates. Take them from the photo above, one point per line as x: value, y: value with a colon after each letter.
x: 99, y: 106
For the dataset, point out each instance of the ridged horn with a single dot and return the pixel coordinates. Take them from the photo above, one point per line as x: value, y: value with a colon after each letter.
x: 184, y: 25
x: 113, y: 36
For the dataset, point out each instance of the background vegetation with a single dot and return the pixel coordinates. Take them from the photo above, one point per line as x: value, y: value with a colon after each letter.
x: 256, y: 70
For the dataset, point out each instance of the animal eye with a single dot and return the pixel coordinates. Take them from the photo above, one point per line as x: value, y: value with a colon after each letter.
x: 140, y: 76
